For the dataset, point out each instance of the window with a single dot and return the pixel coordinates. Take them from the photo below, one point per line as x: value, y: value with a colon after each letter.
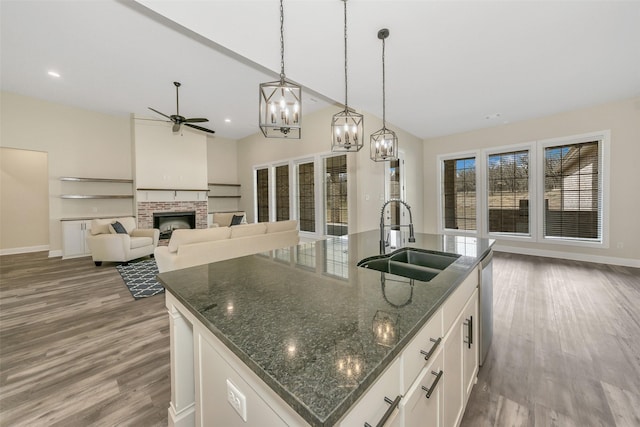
x: 306, y: 197
x: 573, y: 191
x: 282, y: 192
x: 508, y: 192
x: 459, y: 193
x: 262, y: 194
x: 336, y: 195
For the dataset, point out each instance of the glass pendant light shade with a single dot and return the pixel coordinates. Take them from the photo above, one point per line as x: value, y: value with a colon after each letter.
x: 383, y: 144
x: 280, y: 109
x: 280, y: 105
x: 347, y: 126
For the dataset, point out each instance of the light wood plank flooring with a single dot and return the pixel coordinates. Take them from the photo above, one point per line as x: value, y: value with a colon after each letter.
x: 77, y: 350
x: 566, y: 346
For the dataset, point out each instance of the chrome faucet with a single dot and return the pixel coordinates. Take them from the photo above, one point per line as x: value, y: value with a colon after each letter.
x: 383, y: 242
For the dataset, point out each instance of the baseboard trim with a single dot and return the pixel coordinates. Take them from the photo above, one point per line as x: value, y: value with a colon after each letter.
x: 55, y: 254
x: 626, y: 262
x: 24, y: 250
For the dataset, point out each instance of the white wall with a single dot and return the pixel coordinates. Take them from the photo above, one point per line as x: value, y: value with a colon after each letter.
x: 78, y: 143
x: 168, y: 160
x: 621, y: 117
x: 24, y: 201
x: 365, y: 194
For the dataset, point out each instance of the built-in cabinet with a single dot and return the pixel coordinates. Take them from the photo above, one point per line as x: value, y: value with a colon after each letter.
x: 86, y: 198
x: 427, y: 384
x: 74, y: 238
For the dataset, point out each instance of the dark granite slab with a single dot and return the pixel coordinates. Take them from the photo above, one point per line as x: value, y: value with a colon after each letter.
x: 315, y: 327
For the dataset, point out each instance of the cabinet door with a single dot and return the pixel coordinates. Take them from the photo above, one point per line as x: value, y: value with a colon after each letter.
x: 452, y: 384
x: 420, y: 410
x: 470, y: 348
x: 74, y: 238
x: 373, y: 404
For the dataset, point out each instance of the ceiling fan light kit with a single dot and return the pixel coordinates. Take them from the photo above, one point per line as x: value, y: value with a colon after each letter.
x: 280, y: 104
x: 384, y: 142
x: 179, y: 120
x: 347, y: 126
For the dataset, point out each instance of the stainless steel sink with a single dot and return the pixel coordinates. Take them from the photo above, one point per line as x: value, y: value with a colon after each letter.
x: 411, y: 263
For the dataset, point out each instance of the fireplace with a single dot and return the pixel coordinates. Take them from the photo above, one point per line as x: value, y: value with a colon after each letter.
x: 166, y: 222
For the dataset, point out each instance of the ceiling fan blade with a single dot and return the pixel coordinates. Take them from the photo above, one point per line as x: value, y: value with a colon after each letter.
x: 196, y: 120
x: 162, y: 114
x: 200, y: 128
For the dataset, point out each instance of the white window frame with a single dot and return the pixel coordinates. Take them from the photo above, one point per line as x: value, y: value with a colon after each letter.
x: 531, y: 236
x: 604, y: 151
x: 440, y: 168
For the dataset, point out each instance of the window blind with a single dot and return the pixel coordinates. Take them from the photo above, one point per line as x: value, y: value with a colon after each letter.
x: 573, y: 191
x: 306, y: 197
x: 459, y: 194
x: 336, y: 206
x: 508, y: 192
x: 282, y: 193
x: 262, y: 194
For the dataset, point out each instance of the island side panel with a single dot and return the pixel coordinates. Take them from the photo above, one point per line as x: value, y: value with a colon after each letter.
x: 182, y: 405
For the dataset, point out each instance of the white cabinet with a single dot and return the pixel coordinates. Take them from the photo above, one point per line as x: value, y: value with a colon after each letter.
x: 460, y: 354
x: 470, y: 352
x: 423, y: 404
x: 379, y: 399
x: 74, y: 238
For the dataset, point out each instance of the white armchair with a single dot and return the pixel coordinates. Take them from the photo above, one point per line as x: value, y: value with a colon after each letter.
x: 113, y: 243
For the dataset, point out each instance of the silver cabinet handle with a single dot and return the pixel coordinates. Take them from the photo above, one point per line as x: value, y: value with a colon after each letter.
x: 428, y: 354
x: 435, y: 383
x: 469, y: 324
x: 394, y: 404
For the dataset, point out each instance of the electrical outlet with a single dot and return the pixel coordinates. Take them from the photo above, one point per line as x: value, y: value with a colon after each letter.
x: 237, y: 400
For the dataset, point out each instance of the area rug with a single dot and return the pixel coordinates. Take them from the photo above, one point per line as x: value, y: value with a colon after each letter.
x: 140, y: 278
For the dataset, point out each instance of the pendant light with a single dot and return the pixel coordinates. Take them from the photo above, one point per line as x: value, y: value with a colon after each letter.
x: 383, y: 143
x: 281, y: 101
x: 347, y: 126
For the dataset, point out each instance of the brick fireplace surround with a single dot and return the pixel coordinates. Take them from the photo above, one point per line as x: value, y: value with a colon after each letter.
x: 146, y: 210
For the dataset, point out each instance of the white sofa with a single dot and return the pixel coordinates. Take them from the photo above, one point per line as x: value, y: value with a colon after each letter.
x: 188, y: 248
x: 108, y: 245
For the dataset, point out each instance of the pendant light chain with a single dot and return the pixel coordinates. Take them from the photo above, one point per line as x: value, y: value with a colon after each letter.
x: 281, y: 43
x: 346, y: 103
x: 384, y: 121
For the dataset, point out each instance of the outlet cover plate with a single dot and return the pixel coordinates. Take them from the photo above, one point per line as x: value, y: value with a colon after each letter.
x: 237, y: 400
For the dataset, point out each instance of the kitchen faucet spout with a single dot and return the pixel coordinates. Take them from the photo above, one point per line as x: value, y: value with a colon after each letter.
x: 383, y: 242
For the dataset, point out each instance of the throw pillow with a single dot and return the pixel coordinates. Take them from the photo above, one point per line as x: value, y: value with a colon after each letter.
x: 117, y: 228
x: 237, y: 219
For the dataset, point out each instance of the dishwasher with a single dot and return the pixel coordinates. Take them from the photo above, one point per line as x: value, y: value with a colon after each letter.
x: 485, y: 293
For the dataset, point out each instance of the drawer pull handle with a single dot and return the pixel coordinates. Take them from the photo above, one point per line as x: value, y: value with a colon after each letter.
x: 428, y: 354
x: 435, y: 383
x: 394, y: 404
x: 469, y: 324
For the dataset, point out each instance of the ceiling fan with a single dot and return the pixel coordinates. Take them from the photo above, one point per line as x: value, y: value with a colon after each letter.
x: 179, y: 120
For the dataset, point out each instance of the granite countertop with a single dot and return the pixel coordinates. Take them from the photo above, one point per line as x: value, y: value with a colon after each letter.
x: 300, y: 317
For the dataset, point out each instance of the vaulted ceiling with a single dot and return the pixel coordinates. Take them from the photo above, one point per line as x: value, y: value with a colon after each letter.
x: 451, y: 66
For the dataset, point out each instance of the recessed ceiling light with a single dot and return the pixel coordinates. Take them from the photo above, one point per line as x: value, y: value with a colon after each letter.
x: 227, y: 120
x: 53, y: 73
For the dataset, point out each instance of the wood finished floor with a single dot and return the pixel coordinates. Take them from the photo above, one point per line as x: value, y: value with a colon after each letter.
x: 77, y: 350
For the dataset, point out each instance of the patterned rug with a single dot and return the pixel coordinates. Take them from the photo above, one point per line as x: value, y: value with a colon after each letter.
x: 140, y: 278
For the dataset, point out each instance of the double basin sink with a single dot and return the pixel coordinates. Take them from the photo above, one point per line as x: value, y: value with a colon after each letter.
x: 411, y: 263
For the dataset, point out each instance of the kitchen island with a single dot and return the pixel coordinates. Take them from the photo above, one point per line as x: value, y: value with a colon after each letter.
x: 302, y: 335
